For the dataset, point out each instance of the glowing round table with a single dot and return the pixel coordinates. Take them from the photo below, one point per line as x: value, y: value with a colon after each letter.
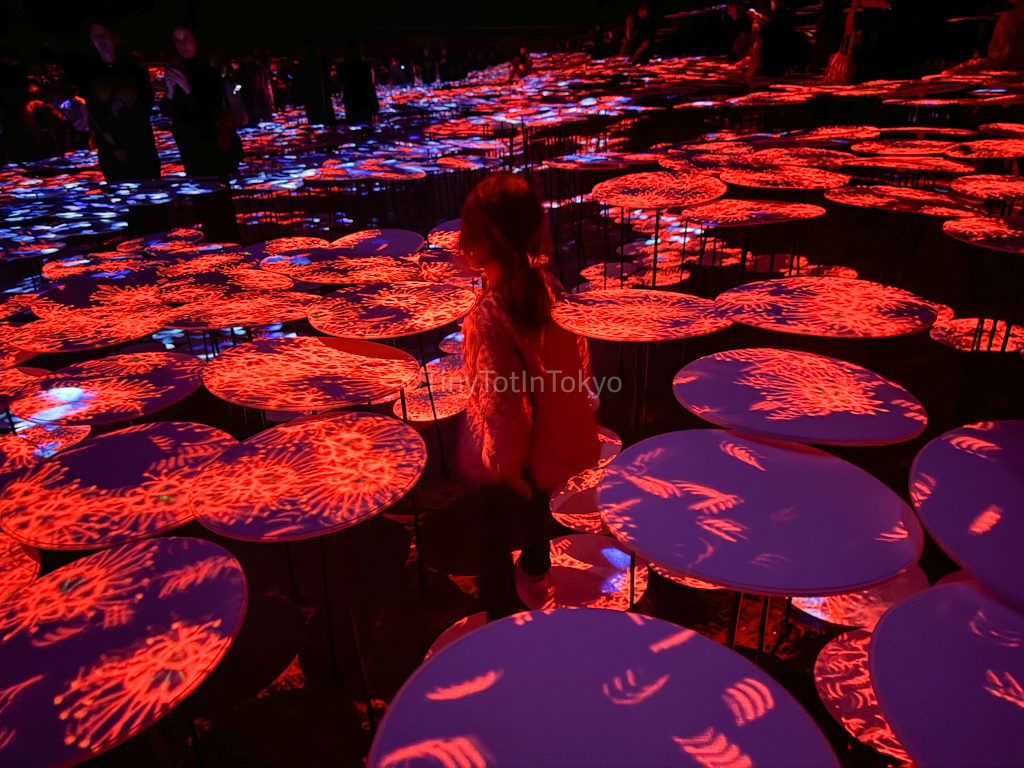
x: 15, y: 304
x: 637, y: 691
x: 658, y: 190
x: 947, y: 667
x: 246, y: 309
x: 309, y: 477
x: 386, y: 311
x: 637, y: 315
x: 865, y: 607
x: 105, y: 646
x: 757, y: 516
x: 1005, y: 235
x: 195, y: 262
x: 341, y: 266
x: 19, y: 565
x: 159, y: 242
x: 90, y: 293
x: 14, y: 382
x: 228, y: 281
x: 786, y: 177
x: 112, y: 489
x: 111, y: 389
x: 380, y: 242
x: 446, y: 235
x: 901, y: 200
x: 844, y: 687
x: 799, y: 396
x: 86, y: 329
x: 103, y: 265
x: 828, y: 159
x: 282, y: 244
x: 832, y: 307
x: 925, y: 164
x: 602, y: 161
x: 309, y: 373
x: 745, y: 213
x: 988, y: 149
x: 10, y: 355
x: 968, y: 489
x: 989, y: 186
x: 974, y: 334
x: 1003, y: 130
x: 901, y: 147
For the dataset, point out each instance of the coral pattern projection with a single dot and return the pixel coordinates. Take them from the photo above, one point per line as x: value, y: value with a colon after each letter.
x: 439, y: 266
x: 230, y: 281
x: 926, y: 164
x: 85, y: 329
x: 826, y: 306
x: 105, y: 646
x: 901, y: 147
x: 33, y: 444
x: 340, y: 266
x: 989, y: 186
x: 973, y: 334
x: 284, y: 244
x: 902, y: 200
x: 386, y: 311
x: 309, y: 477
x: 800, y: 396
x: 15, y: 304
x: 105, y: 265
x: 743, y: 213
x: 446, y: 235
x: 828, y: 159
x: 844, y: 687
x: 634, y: 674
x: 717, y: 147
x: 113, y: 489
x: 86, y: 293
x: 186, y: 263
x: 19, y: 565
x: 637, y: 315
x: 760, y: 516
x: 865, y: 607
x: 946, y: 666
x: 15, y: 382
x: 658, y: 190
x: 380, y: 242
x: 1003, y: 130
x: 111, y: 389
x: 589, y: 571
x: 162, y: 242
x: 246, y: 310
x: 309, y: 374
x: 786, y: 177
x: 968, y: 491
x: 574, y: 503
x: 448, y: 401
x: 988, y: 149
x: 997, y: 234
x: 602, y: 161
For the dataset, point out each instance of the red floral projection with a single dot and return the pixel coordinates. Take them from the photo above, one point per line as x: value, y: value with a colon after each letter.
x: 658, y: 190
x: 901, y: 200
x: 637, y: 315
x: 385, y: 311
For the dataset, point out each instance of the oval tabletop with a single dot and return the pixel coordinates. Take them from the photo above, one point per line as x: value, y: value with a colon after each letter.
x: 658, y: 189
x: 632, y: 314
x: 103, y: 647
x: 758, y: 516
x: 112, y: 489
x: 19, y: 565
x: 381, y: 242
x: 602, y: 161
x: 988, y: 149
x: 14, y: 382
x: 111, y: 389
x: 1003, y: 130
x: 308, y: 373
x: 309, y: 477
x: 786, y: 177
x: 157, y: 242
x: 926, y: 163
x: 282, y: 244
x: 989, y: 186
x: 638, y: 691
x: 997, y: 234
x: 902, y: 200
x: 801, y: 396
x: 901, y: 147
x: 968, y: 489
x: 140, y: 291
x: 446, y: 235
x: 833, y: 307
x: 341, y: 266
x: 947, y: 666
x: 829, y: 159
x: 247, y: 310
x: 386, y: 311
x: 111, y: 265
x: 745, y: 213
x: 12, y: 305
x: 86, y: 329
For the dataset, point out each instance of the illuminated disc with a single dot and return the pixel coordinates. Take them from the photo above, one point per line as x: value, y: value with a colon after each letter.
x: 162, y: 241
x: 243, y: 309
x: 230, y: 281
x: 11, y: 251
x: 835, y: 133
x: 826, y: 306
x: 637, y: 315
x: 989, y: 186
x: 386, y: 311
x: 462, y: 627
x: 865, y: 607
x: 844, y: 687
x: 968, y: 490
x: 84, y: 329
x: 760, y: 516
x: 773, y: 263
x: 947, y: 667
x: 786, y: 177
x: 601, y: 161
x: 743, y: 213
x: 610, y: 271
x: 283, y: 244
x: 988, y: 149
x: 12, y: 305
x: 452, y: 343
x: 105, y: 646
x: 309, y: 477
x: 106, y: 265
x: 308, y: 374
x: 998, y: 234
x: 342, y: 266
x: 381, y: 242
x: 14, y: 382
x: 185, y: 263
x: 446, y: 235
x: 19, y: 565
x: 84, y: 293
x: 111, y: 389
x: 440, y: 266
x: 1003, y: 130
x: 665, y: 278
x: 638, y: 691
x: 901, y: 200
x: 448, y: 401
x: 610, y: 444
x: 658, y: 189
x: 574, y: 503
x: 901, y: 147
x: 118, y: 487
x: 799, y: 396
x: 972, y: 334
x: 927, y: 163
x: 829, y: 159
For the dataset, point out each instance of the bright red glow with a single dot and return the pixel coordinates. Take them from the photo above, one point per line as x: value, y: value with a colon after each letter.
x: 971, y: 334
x: 382, y: 310
x: 989, y: 186
x: 459, y: 752
x: 902, y: 147
x: 902, y: 200
x: 748, y: 700
x: 78, y: 330
x: 637, y: 315
x: 380, y: 242
x: 308, y: 477
x: 658, y: 190
x: 829, y: 159
x: 106, y: 262
x: 468, y: 688
x: 714, y: 750
x: 736, y: 213
x: 15, y: 304
x: 786, y: 177
x: 9, y: 353
x: 998, y: 234
x: 173, y: 240
x: 988, y: 149
x: 243, y: 309
x: 19, y: 565
x: 928, y: 163
x: 338, y: 267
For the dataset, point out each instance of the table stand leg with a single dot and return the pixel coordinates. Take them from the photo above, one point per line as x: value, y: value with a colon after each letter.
x: 734, y: 619
x: 766, y: 604
x: 632, y: 580
x: 430, y: 394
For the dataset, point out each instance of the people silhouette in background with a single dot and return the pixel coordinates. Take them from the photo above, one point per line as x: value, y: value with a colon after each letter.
x: 119, y: 99
x: 641, y: 30
x: 1006, y: 49
x: 312, y: 85
x: 195, y: 102
x: 520, y: 66
x: 359, y: 92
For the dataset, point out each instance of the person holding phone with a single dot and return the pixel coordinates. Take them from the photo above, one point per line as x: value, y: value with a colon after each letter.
x: 200, y: 122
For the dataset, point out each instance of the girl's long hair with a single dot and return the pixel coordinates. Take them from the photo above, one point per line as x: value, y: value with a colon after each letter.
x: 504, y: 222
